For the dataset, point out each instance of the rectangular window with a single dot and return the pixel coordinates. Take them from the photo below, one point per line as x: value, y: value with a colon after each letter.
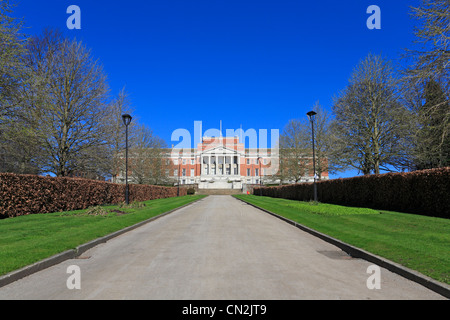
x: 184, y: 172
x: 256, y: 172
x: 192, y: 172
x: 248, y: 172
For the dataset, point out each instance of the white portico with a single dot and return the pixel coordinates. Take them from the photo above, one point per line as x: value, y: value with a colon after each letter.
x: 220, y: 169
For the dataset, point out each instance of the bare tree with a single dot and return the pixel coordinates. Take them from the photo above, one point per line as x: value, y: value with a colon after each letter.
x: 16, y: 151
x: 294, y: 145
x: 426, y: 85
x: 120, y: 105
x: 322, y: 136
x: 432, y: 57
x: 296, y: 156
x: 148, y: 163
x: 369, y: 130
x: 71, y: 105
x: 12, y: 51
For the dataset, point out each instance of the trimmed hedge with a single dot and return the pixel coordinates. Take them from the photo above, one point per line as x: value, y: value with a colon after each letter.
x: 425, y: 192
x: 30, y: 194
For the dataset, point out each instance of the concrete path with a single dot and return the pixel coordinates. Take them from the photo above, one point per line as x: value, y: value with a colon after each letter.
x: 218, y: 248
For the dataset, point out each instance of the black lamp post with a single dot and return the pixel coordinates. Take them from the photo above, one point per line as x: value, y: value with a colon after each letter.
x: 126, y: 121
x: 179, y: 174
x: 311, y: 116
x: 260, y: 181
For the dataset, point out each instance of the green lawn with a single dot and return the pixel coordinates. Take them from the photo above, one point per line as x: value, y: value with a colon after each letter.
x: 28, y: 239
x: 418, y: 242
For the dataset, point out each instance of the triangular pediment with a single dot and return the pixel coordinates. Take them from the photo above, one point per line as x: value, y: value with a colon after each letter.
x: 219, y: 150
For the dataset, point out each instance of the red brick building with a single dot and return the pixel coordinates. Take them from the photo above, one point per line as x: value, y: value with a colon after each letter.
x: 225, y: 163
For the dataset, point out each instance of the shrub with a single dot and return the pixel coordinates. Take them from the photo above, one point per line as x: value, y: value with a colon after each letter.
x: 29, y: 194
x: 425, y: 192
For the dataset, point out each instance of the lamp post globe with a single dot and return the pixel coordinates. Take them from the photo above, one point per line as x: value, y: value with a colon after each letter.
x: 311, y: 115
x: 260, y: 176
x: 126, y: 119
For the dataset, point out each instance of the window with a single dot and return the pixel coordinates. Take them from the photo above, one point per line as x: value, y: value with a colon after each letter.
x: 175, y: 172
x: 248, y: 161
x: 248, y: 172
x: 256, y: 172
x: 192, y: 172
x: 184, y: 161
x: 192, y: 161
x: 184, y: 172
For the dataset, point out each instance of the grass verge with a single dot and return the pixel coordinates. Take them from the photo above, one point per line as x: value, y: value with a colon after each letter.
x: 417, y: 242
x: 29, y: 239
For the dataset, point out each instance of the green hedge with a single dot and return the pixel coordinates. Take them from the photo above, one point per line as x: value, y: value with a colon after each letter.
x: 30, y: 194
x: 425, y: 192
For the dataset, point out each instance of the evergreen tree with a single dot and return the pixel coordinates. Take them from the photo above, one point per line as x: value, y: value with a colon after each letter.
x: 433, y: 137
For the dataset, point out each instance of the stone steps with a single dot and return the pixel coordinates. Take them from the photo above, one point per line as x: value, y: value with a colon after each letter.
x: 219, y: 191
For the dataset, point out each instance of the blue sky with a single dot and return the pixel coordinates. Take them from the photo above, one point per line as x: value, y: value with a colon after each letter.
x: 255, y: 64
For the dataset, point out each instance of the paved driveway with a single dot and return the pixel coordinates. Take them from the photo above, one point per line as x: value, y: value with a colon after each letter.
x: 217, y: 248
